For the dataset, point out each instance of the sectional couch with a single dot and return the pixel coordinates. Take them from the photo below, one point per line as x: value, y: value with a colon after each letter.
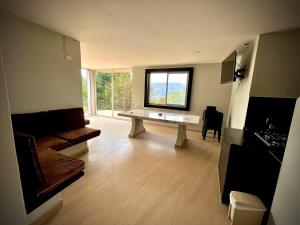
x: 39, y: 137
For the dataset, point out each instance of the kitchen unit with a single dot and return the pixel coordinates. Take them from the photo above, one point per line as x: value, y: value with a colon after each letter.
x: 250, y: 159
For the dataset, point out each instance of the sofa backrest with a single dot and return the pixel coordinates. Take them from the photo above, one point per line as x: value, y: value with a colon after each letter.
x: 41, y: 124
x: 67, y: 119
x: 32, y: 175
x: 36, y: 124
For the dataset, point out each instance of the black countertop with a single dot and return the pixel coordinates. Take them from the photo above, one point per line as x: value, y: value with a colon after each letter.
x: 249, y: 141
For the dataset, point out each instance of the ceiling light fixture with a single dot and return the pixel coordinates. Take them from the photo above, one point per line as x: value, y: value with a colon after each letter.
x: 195, y: 52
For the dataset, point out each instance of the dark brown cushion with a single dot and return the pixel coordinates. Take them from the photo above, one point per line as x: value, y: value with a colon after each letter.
x: 66, y: 119
x: 52, y: 142
x: 79, y: 135
x: 28, y: 161
x: 58, y: 169
x: 36, y: 124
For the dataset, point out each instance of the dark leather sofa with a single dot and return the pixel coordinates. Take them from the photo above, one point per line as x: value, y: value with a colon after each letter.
x: 38, y: 138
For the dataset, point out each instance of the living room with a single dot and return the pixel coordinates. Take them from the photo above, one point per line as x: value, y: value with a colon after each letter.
x: 143, y: 179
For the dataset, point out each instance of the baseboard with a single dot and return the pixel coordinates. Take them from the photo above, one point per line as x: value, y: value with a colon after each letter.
x: 45, y: 211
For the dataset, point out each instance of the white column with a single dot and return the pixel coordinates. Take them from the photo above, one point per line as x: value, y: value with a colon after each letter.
x: 12, y: 209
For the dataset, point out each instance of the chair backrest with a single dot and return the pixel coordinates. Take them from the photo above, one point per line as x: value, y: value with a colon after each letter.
x: 212, y: 117
x: 211, y: 108
x: 209, y: 112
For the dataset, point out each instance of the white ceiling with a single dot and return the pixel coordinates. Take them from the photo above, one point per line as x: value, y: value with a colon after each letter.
x: 126, y: 33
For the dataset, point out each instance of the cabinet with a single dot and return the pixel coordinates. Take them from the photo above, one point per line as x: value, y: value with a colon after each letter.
x: 235, y: 166
x: 246, y: 165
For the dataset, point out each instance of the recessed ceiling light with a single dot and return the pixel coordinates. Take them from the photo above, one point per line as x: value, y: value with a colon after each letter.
x: 195, y: 52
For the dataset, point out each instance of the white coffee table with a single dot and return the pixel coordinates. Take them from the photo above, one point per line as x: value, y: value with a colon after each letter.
x: 138, y: 115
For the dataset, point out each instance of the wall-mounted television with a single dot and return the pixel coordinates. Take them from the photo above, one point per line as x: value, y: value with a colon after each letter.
x: 228, y: 69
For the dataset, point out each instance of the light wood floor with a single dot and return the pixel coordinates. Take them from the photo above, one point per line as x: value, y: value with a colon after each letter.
x: 145, y: 181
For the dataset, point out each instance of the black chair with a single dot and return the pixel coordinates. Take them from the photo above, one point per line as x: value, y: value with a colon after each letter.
x: 212, y: 120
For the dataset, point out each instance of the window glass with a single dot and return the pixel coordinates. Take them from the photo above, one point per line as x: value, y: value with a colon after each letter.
x: 85, y: 89
x: 177, y: 87
x: 168, y: 88
x: 113, y: 90
x: 158, y: 88
x: 121, y: 91
x: 104, y: 93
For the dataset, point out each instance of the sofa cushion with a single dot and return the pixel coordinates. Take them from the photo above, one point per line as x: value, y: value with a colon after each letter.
x: 52, y: 142
x: 28, y: 161
x: 66, y: 119
x: 58, y: 169
x: 36, y: 124
x: 79, y: 135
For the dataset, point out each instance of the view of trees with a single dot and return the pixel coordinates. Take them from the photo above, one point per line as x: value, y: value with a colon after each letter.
x: 120, y: 83
x: 111, y: 88
x: 122, y: 91
x: 104, y: 90
x: 84, y: 89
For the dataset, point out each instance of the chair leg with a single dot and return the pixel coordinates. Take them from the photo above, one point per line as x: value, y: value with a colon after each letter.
x: 215, y: 133
x: 204, y: 131
x: 219, y: 134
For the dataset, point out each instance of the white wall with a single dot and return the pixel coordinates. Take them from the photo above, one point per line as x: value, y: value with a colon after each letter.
x: 37, y: 78
x: 38, y: 75
x: 241, y: 88
x: 286, y: 204
x: 12, y: 209
x: 276, y: 71
x: 206, y: 89
x: 273, y: 72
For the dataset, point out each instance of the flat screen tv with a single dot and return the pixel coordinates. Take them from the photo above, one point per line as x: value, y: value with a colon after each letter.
x: 228, y: 69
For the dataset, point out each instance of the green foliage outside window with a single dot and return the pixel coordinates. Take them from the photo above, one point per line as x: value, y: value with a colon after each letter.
x: 84, y: 91
x: 120, y: 82
x: 122, y: 91
x: 103, y: 90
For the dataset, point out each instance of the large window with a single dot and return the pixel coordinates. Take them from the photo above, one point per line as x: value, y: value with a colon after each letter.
x: 168, y: 88
x: 85, y: 90
x: 113, y: 91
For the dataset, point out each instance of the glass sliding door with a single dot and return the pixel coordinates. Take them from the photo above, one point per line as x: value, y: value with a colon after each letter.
x: 113, y: 90
x: 104, y: 93
x: 121, y: 92
x: 85, y: 90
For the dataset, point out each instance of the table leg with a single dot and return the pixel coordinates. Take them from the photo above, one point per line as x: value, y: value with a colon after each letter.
x: 137, y: 127
x: 181, y: 136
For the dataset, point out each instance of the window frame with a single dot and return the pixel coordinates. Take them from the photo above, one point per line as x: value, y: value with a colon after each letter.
x: 186, y: 107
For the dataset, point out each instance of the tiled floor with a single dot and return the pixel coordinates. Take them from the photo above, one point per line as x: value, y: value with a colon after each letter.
x: 145, y: 180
